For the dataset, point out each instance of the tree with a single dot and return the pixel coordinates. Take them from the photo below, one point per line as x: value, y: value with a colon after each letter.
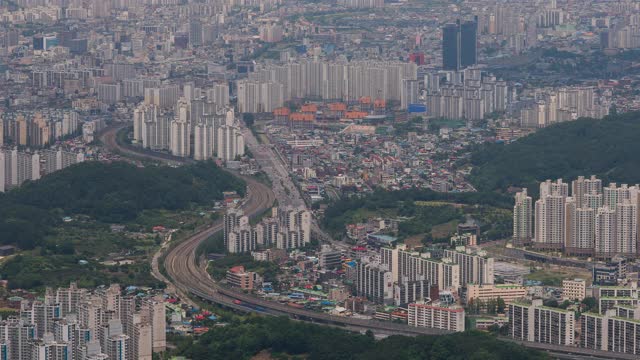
x: 501, y: 305
x: 492, y: 306
x: 589, y: 303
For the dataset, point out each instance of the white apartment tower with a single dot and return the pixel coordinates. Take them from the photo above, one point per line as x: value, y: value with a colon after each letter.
x: 626, y: 228
x: 180, y: 137
x: 581, y: 187
x: 475, y: 267
x: 241, y: 240
x: 233, y: 219
x: 154, y: 313
x: 605, y: 235
x: 203, y: 141
x: 16, y: 167
x: 550, y: 215
x: 522, y: 219
x: 374, y: 281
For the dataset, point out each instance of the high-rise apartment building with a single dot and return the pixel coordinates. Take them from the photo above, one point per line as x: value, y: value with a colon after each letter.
x: 241, y: 240
x: 165, y: 96
x: 180, y: 136
x: 581, y: 229
x: 374, y: 281
x: 413, y: 266
x: 154, y: 313
x: 16, y: 167
x: 550, y: 215
x: 606, y: 232
x: 522, y: 219
x: 475, y: 267
x: 17, y: 334
x: 595, y: 221
x: 233, y: 219
x: 55, y: 160
x: 581, y: 187
x: 203, y: 141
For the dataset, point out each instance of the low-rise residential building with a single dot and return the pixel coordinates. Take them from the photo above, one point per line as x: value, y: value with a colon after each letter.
x: 537, y: 323
x: 246, y: 280
x: 575, y: 289
x: 508, y: 293
x: 436, y: 316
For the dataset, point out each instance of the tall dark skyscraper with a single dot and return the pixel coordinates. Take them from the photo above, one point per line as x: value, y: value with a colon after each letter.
x: 468, y: 44
x: 451, y: 47
x: 459, y: 45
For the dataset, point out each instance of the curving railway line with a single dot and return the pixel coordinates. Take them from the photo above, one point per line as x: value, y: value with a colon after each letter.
x: 189, y: 277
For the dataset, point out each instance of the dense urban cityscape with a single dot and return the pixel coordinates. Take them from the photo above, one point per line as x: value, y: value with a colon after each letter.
x: 357, y: 179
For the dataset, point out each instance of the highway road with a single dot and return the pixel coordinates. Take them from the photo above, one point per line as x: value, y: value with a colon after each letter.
x: 286, y: 192
x: 188, y: 276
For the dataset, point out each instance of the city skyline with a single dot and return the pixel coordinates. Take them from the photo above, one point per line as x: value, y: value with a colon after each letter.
x: 178, y: 176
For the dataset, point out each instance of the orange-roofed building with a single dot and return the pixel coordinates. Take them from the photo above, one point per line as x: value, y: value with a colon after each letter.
x: 302, y: 117
x: 309, y: 108
x: 365, y: 103
x: 302, y: 120
x: 282, y: 111
x: 281, y: 115
x: 336, y: 110
x: 379, y: 104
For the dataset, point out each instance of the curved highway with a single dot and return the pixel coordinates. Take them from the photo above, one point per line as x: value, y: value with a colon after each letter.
x: 189, y: 277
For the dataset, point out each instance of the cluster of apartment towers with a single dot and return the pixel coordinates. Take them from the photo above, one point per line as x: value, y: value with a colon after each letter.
x: 77, y: 324
x: 595, y: 221
x: 198, y: 124
x: 287, y: 228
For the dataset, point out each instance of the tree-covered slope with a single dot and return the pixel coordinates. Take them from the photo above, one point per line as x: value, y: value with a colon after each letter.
x: 608, y: 148
x: 110, y: 193
x: 284, y: 338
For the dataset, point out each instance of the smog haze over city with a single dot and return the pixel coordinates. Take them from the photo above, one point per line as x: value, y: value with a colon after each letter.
x: 319, y: 179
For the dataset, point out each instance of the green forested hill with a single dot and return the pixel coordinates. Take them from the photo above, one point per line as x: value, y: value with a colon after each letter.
x: 608, y: 148
x: 286, y: 339
x: 109, y: 193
